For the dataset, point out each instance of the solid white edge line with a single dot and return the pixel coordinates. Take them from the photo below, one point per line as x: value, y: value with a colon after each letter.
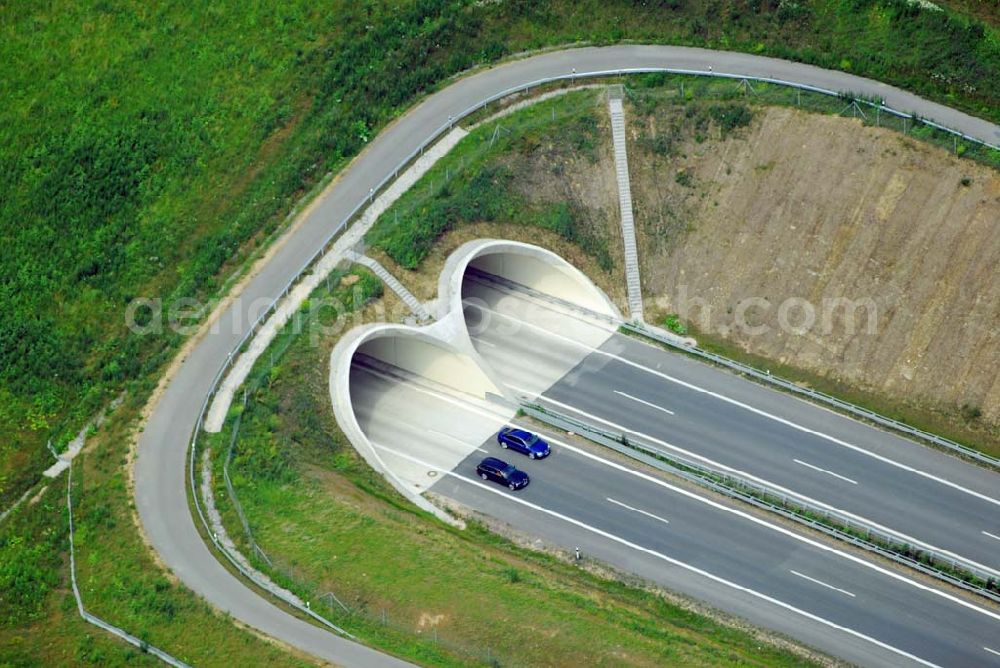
x: 744, y: 515
x: 643, y: 401
x: 782, y: 530
x: 909, y: 539
x: 670, y: 560
x: 991, y: 535
x: 820, y: 582
x: 637, y: 510
x: 765, y: 414
x: 816, y: 468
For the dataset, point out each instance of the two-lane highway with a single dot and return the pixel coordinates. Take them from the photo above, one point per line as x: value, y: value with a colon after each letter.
x: 929, y: 498
x: 709, y: 548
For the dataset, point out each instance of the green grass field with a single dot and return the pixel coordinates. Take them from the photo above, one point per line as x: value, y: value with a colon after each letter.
x: 148, y: 151
x: 151, y: 150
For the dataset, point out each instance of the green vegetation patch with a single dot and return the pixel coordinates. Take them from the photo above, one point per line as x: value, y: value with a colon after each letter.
x: 148, y: 150
x: 118, y: 580
x: 478, y: 181
x: 145, y: 151
x: 339, y: 536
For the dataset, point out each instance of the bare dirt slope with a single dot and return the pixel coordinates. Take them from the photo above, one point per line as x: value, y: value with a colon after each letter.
x: 816, y: 208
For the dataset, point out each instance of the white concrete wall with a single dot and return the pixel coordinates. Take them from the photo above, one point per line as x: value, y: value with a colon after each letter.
x: 343, y: 411
x: 431, y: 359
x: 524, y: 263
x: 443, y: 353
x: 542, y: 274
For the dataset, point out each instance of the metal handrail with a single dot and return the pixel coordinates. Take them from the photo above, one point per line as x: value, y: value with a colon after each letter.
x: 92, y: 618
x: 677, y: 343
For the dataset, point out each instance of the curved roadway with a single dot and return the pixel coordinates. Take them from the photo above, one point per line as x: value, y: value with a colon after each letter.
x: 160, y: 474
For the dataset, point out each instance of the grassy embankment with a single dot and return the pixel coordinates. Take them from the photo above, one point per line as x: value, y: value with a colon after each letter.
x: 118, y: 579
x: 709, y: 108
x: 174, y: 140
x: 151, y: 151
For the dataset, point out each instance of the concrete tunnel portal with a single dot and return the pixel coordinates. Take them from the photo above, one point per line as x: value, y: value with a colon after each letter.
x: 418, y: 401
x: 531, y: 316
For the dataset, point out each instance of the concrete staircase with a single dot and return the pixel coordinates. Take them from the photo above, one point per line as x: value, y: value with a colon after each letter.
x: 625, y: 203
x: 392, y: 283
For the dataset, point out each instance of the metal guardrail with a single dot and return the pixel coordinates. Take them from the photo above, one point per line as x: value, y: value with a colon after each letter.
x: 815, y: 395
x: 248, y: 574
x: 674, y: 342
x: 391, y: 176
x: 94, y: 619
x: 944, y: 567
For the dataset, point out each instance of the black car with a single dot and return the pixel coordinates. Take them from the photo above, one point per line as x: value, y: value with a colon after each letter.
x: 500, y: 471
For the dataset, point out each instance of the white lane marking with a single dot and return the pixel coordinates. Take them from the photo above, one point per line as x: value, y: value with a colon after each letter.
x: 739, y: 513
x: 749, y: 476
x: 762, y: 413
x: 602, y: 326
x: 991, y: 535
x: 447, y: 435
x: 820, y: 582
x: 780, y: 529
x: 816, y: 468
x: 483, y: 451
x: 992, y: 651
x: 638, y: 510
x: 659, y: 555
x: 465, y: 404
x: 714, y: 504
x: 643, y: 401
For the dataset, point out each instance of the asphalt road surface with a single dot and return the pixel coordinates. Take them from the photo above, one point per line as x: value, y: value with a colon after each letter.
x: 749, y: 565
x: 160, y: 480
x: 833, y: 601
x: 694, y: 409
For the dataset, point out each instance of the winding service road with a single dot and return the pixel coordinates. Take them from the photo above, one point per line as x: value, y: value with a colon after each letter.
x: 160, y: 467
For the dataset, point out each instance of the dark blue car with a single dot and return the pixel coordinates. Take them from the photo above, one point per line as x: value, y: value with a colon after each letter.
x: 500, y: 471
x: 524, y: 442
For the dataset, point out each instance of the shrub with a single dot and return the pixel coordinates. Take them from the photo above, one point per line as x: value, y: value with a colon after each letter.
x: 730, y: 116
x: 971, y: 413
x: 674, y: 324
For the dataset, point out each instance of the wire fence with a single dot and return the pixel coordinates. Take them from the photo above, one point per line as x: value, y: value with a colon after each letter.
x: 352, y: 615
x: 956, y: 571
x: 143, y: 645
x: 676, y: 342
x: 654, y: 88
